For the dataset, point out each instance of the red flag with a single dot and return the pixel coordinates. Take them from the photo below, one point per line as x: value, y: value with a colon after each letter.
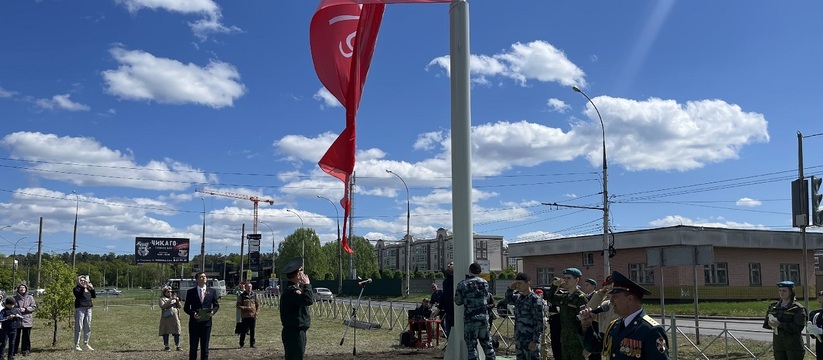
x: 342, y: 36
x: 336, y: 2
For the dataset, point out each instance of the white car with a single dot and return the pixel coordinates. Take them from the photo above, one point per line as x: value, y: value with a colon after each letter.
x: 321, y: 293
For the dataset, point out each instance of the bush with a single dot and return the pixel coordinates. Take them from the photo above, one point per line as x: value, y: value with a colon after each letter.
x: 388, y: 274
x: 418, y: 274
x: 375, y: 275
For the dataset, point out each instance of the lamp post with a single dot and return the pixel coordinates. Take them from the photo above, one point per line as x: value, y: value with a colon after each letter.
x: 203, y: 240
x: 14, y: 262
x: 272, y: 244
x: 339, y: 246
x: 606, y: 249
x: 408, y: 236
x: 303, y: 254
x: 74, y: 237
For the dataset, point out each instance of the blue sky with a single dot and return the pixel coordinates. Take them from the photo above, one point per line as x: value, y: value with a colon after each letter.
x: 135, y: 103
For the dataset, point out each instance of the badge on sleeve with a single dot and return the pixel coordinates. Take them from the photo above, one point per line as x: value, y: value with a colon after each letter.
x: 661, y: 345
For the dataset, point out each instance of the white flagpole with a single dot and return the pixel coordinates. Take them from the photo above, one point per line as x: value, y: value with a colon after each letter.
x: 461, y: 163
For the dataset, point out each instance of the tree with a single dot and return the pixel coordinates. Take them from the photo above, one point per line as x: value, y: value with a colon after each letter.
x: 365, y: 261
x: 388, y: 274
x: 330, y: 257
x: 315, y: 265
x: 57, y: 303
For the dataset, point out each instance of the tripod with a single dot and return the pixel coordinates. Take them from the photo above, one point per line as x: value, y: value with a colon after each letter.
x: 353, y: 321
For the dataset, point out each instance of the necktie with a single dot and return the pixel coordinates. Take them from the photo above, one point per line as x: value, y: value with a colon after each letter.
x: 202, y: 295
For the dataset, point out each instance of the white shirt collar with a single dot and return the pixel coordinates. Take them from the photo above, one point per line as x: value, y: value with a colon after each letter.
x: 628, y: 319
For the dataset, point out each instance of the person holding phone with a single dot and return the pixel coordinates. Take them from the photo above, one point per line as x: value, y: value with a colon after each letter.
x: 170, y: 318
x: 83, y: 293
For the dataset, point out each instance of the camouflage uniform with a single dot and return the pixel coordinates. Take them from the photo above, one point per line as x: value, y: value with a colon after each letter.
x: 569, y: 304
x: 788, y: 339
x: 528, y: 326
x: 472, y: 293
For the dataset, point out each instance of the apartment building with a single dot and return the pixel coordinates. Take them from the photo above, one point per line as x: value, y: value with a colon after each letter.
x: 430, y: 255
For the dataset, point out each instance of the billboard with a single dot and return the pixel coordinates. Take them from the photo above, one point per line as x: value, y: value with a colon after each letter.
x: 161, y: 250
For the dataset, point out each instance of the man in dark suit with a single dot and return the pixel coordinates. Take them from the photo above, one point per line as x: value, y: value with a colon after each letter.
x: 201, y: 305
x: 634, y: 335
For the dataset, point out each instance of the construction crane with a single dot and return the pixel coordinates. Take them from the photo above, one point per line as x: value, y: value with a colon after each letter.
x: 254, y: 199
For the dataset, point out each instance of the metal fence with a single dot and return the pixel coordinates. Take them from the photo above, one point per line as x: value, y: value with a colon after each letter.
x: 726, y: 341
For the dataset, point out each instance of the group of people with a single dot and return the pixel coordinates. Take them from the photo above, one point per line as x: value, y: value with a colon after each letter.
x: 16, y: 322
x: 589, y: 323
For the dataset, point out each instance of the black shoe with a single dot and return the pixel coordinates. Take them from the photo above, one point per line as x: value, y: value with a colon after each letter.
x: 241, y: 345
x: 251, y: 345
x: 26, y: 353
x: 166, y: 348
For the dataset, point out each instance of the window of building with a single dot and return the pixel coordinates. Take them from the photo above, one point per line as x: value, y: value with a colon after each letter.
x: 754, y: 274
x: 641, y: 274
x: 588, y: 258
x: 790, y: 272
x: 544, y: 276
x: 716, y: 274
x: 481, y: 250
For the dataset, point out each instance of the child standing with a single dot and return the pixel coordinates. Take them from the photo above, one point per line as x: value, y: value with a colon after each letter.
x: 11, y: 319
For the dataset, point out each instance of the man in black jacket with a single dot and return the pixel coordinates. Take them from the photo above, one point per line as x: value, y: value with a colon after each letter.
x: 294, y: 309
x: 447, y: 299
x: 201, y: 305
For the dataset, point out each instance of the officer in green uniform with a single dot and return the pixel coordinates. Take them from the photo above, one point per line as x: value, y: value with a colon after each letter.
x: 787, y: 319
x: 634, y: 335
x: 570, y: 304
x: 294, y: 309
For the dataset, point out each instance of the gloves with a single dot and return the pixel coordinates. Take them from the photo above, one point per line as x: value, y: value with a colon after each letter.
x: 814, y: 331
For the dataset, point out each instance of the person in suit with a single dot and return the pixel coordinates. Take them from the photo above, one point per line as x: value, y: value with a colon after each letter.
x: 294, y: 309
x: 634, y: 335
x: 446, y: 303
x: 201, y: 305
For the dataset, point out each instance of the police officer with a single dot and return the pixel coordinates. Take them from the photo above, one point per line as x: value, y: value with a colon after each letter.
x: 472, y: 293
x: 294, y: 309
x: 570, y: 304
x: 787, y: 318
x: 634, y: 335
x: 528, y: 313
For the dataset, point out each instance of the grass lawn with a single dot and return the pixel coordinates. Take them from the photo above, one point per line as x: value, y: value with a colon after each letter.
x: 129, y: 330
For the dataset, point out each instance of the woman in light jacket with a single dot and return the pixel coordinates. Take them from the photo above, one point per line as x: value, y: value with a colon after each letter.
x: 170, y: 318
x: 27, y: 306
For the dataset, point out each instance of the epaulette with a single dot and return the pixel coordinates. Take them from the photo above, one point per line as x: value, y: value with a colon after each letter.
x: 649, y: 320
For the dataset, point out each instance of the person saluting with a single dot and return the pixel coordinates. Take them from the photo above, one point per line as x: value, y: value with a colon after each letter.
x: 294, y: 309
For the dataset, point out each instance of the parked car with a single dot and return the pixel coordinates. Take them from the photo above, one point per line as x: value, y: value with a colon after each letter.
x: 113, y: 292
x: 321, y: 293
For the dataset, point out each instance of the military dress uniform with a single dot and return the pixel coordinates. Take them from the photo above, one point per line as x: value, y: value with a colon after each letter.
x: 294, y: 313
x: 787, y: 338
x: 528, y: 326
x: 816, y: 320
x: 641, y: 338
x: 569, y: 304
x: 472, y: 294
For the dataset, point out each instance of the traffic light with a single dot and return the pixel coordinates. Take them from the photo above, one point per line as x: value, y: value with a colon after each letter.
x: 817, y: 211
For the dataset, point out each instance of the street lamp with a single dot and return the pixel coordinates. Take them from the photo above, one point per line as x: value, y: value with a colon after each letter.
x: 301, y: 233
x: 203, y: 241
x: 74, y: 237
x: 14, y: 261
x: 272, y: 244
x: 408, y: 236
x: 606, y: 249
x: 339, y: 246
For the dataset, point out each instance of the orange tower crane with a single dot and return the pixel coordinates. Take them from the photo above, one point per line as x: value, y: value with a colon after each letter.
x: 254, y: 199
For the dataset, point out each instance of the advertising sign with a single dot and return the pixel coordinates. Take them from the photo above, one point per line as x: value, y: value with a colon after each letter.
x: 161, y: 250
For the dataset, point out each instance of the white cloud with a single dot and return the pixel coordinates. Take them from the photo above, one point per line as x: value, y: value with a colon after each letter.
x: 557, y: 105
x: 748, y: 202
x: 142, y: 76
x: 61, y: 102
x: 537, y: 60
x: 323, y: 95
x: 672, y: 220
x: 202, y: 28
x: 6, y: 93
x: 84, y: 161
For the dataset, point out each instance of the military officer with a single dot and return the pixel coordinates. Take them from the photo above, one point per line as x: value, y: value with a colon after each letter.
x: 570, y: 304
x: 634, y: 335
x: 787, y: 318
x: 528, y: 314
x: 472, y: 294
x: 294, y: 309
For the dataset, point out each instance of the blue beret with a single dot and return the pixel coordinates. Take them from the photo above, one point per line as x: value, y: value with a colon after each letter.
x: 787, y: 284
x: 573, y: 272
